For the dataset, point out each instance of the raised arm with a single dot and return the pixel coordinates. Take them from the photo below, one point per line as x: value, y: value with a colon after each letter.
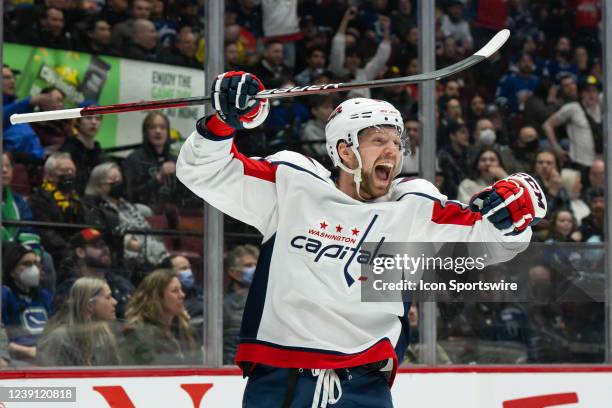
x: 383, y: 52
x: 210, y: 165
x: 337, y: 54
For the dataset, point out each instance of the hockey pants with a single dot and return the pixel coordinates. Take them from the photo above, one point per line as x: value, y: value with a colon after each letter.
x: 358, y: 387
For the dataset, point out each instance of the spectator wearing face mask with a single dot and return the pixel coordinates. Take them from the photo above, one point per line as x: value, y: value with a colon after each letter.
x: 524, y: 149
x: 485, y: 136
x: 110, y: 208
x: 90, y: 257
x: 25, y: 306
x: 241, y: 264
x: 56, y: 200
x: 193, y: 293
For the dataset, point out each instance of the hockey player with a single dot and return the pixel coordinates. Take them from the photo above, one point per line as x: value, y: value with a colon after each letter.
x: 306, y: 338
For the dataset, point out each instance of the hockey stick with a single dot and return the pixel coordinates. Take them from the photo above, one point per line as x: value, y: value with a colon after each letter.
x: 485, y: 52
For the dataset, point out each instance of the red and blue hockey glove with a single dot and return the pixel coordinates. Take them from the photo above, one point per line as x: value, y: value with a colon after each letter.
x: 232, y: 97
x: 511, y: 204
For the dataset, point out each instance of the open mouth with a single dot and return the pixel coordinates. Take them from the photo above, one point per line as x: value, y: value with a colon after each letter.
x: 383, y: 171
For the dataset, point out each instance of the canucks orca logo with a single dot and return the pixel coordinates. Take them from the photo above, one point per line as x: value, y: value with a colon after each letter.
x: 34, y: 319
x: 336, y: 251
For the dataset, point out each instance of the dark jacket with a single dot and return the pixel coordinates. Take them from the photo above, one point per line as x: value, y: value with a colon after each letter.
x: 561, y: 201
x: 233, y: 308
x: 176, y: 58
x: 453, y: 167
x: 44, y: 208
x: 271, y: 77
x: 139, y: 170
x: 135, y: 51
x: 146, y: 344
x: 590, y: 228
x: 84, y: 159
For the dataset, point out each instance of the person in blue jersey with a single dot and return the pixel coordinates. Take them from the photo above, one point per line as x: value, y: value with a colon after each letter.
x: 306, y: 338
x: 25, y: 306
x: 515, y: 88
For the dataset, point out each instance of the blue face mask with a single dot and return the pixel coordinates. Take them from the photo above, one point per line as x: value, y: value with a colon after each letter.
x: 247, y: 275
x: 186, y: 278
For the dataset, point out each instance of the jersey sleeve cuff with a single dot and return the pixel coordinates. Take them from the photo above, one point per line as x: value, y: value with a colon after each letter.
x: 213, y: 128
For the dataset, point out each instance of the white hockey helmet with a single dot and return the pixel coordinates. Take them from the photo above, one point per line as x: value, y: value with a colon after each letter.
x: 351, y: 117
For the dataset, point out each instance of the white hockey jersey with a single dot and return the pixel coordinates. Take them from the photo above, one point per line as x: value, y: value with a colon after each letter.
x: 304, y: 307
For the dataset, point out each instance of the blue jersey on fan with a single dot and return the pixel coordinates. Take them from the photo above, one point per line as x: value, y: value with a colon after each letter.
x: 513, y: 89
x: 25, y: 317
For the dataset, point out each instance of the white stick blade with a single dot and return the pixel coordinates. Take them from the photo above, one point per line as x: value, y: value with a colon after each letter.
x: 494, y: 44
x: 47, y: 115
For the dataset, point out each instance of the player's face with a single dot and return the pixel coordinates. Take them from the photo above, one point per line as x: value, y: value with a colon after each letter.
x: 380, y: 150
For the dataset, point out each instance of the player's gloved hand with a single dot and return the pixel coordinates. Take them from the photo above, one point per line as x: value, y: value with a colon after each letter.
x: 511, y: 204
x: 232, y: 97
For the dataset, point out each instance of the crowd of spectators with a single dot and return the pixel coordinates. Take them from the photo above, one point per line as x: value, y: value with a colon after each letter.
x: 535, y: 107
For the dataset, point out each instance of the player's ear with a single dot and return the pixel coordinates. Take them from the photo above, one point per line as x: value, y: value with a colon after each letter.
x: 345, y: 153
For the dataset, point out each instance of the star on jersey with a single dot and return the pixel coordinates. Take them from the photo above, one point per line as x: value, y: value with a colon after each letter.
x: 323, y: 225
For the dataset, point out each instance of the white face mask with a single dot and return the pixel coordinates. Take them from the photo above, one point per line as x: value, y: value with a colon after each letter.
x: 487, y: 137
x: 30, y: 277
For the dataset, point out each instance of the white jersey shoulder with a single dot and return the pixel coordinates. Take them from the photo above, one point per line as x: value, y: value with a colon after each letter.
x: 401, y: 186
x: 300, y: 162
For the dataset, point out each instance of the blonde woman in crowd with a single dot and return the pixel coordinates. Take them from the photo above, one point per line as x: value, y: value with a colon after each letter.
x: 157, y: 327
x: 80, y: 334
x: 571, y: 180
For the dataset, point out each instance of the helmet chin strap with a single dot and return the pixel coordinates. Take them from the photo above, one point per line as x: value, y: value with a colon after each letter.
x: 356, y: 172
